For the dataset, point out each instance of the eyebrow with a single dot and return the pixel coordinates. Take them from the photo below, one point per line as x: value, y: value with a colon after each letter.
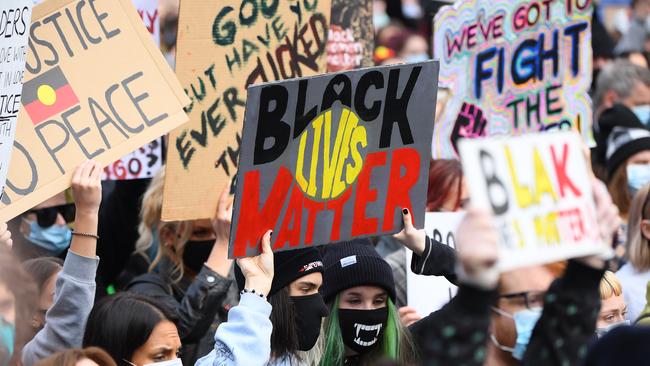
x: 162, y: 348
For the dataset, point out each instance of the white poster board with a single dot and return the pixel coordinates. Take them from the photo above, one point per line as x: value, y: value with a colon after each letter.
x: 539, y: 188
x: 430, y: 293
x: 15, y: 18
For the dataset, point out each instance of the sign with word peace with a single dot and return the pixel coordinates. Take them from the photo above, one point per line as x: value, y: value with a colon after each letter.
x: 223, y: 47
x: 350, y: 41
x: 539, y: 188
x: 513, y: 66
x: 133, y: 98
x: 333, y: 157
x: 15, y: 16
x: 430, y: 293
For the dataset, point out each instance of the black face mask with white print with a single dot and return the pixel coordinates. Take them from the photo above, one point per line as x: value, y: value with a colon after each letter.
x: 362, y: 330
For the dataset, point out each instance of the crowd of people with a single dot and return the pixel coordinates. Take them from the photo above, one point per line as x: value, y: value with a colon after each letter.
x: 166, y: 293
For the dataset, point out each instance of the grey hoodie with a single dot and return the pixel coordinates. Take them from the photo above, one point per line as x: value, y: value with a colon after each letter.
x: 65, y: 322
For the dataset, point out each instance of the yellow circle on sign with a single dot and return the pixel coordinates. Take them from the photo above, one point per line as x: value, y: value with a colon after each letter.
x: 46, y: 95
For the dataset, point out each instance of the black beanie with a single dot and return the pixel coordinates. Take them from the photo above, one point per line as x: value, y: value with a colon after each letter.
x: 616, y: 116
x: 288, y: 266
x: 624, y: 142
x: 354, y: 263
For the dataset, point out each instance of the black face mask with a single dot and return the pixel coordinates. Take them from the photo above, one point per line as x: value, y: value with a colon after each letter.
x: 362, y: 330
x: 310, y: 310
x: 196, y: 253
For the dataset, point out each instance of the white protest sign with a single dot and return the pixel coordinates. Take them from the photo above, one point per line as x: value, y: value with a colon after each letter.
x: 15, y: 17
x: 430, y: 293
x: 147, y: 160
x: 539, y: 188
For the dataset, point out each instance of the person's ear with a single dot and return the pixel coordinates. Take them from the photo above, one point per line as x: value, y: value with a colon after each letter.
x: 645, y: 229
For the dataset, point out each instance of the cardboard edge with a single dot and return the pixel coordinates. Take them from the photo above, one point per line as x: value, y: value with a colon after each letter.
x: 154, y: 52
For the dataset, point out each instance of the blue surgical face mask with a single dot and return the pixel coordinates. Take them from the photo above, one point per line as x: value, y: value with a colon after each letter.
x: 525, y: 321
x: 54, y: 239
x: 642, y: 112
x: 604, y: 330
x: 7, y: 338
x: 380, y: 20
x: 637, y: 176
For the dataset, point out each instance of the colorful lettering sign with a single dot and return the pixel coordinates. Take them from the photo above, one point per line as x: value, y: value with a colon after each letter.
x: 539, y: 188
x: 15, y: 16
x: 430, y: 293
x: 333, y: 157
x: 513, y: 67
x: 350, y: 42
x: 223, y: 47
x: 96, y: 87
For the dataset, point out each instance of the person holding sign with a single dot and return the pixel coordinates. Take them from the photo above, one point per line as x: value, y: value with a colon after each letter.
x: 279, y: 313
x: 75, y: 288
x: 540, y: 321
x: 192, y: 275
x: 364, y: 325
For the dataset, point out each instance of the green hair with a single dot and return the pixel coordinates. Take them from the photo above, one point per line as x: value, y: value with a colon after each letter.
x: 390, y: 345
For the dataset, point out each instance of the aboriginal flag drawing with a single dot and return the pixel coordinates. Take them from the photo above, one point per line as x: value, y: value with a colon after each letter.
x: 47, y: 95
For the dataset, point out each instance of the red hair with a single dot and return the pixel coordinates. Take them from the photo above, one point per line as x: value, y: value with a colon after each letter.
x: 444, y: 174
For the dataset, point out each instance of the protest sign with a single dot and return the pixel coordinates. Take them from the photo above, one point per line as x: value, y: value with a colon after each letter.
x: 350, y: 41
x: 15, y: 16
x: 96, y: 87
x: 539, y: 188
x: 224, y: 46
x: 513, y: 66
x: 340, y: 156
x: 430, y: 293
x: 145, y: 161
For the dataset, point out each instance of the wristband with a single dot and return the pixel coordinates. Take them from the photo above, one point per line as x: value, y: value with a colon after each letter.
x: 252, y: 291
x: 88, y: 235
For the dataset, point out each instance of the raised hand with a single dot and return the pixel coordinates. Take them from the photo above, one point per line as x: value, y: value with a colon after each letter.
x: 411, y: 237
x: 477, y: 243
x: 223, y: 217
x: 258, y: 270
x: 5, y: 236
x: 87, y: 188
x: 87, y: 192
x: 608, y: 219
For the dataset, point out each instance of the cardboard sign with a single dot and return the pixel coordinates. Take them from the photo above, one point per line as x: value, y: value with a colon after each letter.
x: 333, y: 157
x: 96, y: 87
x: 430, y: 293
x: 513, y: 66
x: 539, y: 188
x: 15, y: 16
x: 145, y: 161
x: 223, y: 47
x: 350, y: 42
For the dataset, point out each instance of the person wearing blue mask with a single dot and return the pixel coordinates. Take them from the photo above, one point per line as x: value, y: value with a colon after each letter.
x: 46, y: 225
x: 541, y: 321
x: 75, y: 287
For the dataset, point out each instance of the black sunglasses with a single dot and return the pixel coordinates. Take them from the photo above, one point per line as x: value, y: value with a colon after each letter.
x: 46, y: 217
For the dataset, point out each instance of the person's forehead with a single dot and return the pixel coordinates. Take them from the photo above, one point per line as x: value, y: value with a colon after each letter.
x: 165, y: 333
x: 613, y: 303
x: 315, y: 278
x: 202, y: 223
x: 56, y: 200
x: 537, y: 278
x: 365, y: 290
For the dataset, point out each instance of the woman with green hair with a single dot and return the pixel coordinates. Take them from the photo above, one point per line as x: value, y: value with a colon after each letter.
x: 364, y: 325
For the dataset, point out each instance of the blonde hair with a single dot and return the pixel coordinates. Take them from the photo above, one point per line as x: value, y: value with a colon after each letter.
x: 638, y: 246
x: 150, y: 220
x: 610, y: 286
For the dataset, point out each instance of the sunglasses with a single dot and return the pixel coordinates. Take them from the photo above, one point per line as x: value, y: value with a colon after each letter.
x: 46, y: 217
